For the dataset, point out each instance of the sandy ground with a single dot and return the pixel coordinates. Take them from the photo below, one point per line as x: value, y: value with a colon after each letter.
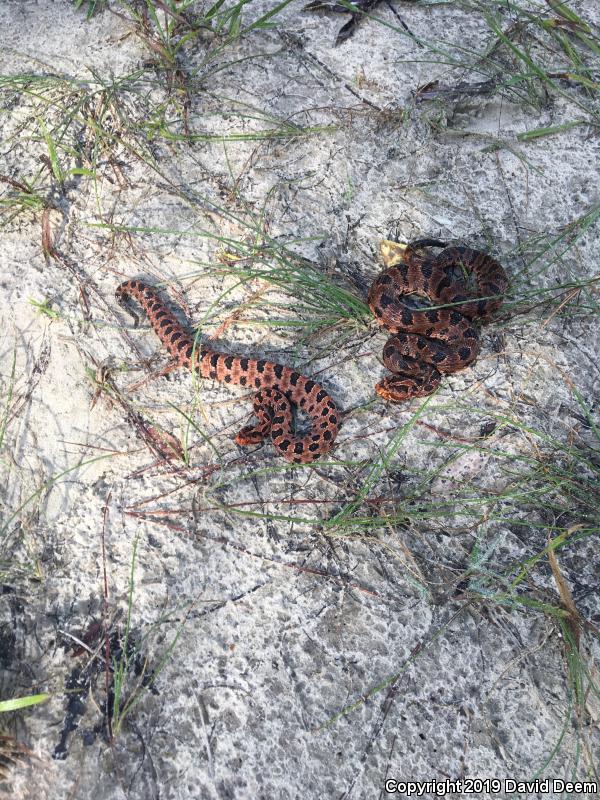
x: 271, y: 654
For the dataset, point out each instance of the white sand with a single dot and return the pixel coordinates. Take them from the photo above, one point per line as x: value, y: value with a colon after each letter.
x: 282, y: 626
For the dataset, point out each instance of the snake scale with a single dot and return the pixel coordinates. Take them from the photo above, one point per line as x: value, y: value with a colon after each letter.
x: 430, y: 341
x: 279, y: 386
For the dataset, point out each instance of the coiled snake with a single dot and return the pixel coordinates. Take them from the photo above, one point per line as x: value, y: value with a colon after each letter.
x: 430, y: 341
x: 279, y: 386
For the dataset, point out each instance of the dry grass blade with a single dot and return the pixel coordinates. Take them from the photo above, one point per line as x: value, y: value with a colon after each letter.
x: 12, y: 753
x: 566, y: 598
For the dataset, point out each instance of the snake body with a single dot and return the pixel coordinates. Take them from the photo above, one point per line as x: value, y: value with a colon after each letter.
x: 428, y: 342
x: 279, y: 386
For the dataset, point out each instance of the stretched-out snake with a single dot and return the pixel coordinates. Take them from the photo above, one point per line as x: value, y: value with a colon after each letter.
x: 279, y: 386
